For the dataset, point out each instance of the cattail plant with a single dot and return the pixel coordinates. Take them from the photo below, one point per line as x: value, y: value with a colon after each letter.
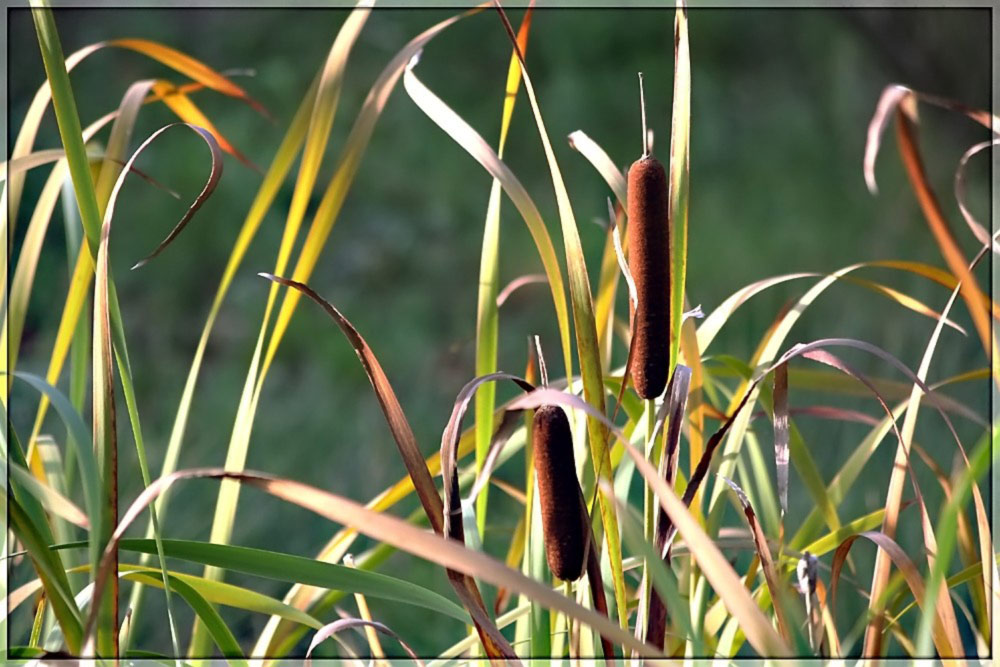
x: 648, y: 260
x: 559, y: 493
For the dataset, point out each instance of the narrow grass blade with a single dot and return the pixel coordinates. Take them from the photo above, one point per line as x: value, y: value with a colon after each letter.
x: 675, y: 409
x: 781, y: 434
x: 89, y: 473
x: 51, y: 574
x: 119, y: 140
x: 206, y: 191
x: 30, y: 251
x: 989, y: 567
x: 488, y: 304
x: 983, y: 456
x: 943, y: 235
x: 896, y: 96
x: 945, y: 610
x: 830, y: 541
x: 289, y: 568
x: 663, y: 577
x: 70, y: 131
x: 601, y: 161
x: 218, y: 592
x: 476, y: 146
x: 712, y: 324
x: 608, y: 281
x: 901, y: 561
x: 978, y: 230
x: 191, y: 67
x: 518, y: 283
x: 680, y: 176
x: 103, y: 380
x: 216, y: 627
x: 374, y: 645
x: 105, y: 435
x: 450, y: 438
x: 766, y: 561
x: 50, y: 499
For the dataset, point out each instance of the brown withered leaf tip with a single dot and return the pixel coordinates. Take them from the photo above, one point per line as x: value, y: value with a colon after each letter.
x: 559, y: 493
x: 648, y: 260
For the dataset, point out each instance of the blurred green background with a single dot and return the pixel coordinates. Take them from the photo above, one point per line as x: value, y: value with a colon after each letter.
x: 780, y: 104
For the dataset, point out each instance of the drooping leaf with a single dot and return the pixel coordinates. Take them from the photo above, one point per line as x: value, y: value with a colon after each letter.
x: 766, y: 561
x: 331, y: 629
x: 978, y: 230
x: 406, y: 442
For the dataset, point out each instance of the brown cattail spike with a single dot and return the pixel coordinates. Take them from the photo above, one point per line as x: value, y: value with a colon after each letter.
x: 559, y: 493
x: 649, y: 263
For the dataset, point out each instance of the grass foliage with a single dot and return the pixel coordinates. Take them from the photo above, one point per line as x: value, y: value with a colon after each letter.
x: 690, y: 553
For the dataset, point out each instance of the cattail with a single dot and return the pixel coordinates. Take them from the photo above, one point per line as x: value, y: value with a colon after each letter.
x: 559, y: 493
x: 649, y: 263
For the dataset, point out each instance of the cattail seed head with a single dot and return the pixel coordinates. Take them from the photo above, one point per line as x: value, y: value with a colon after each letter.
x: 649, y: 263
x: 559, y: 494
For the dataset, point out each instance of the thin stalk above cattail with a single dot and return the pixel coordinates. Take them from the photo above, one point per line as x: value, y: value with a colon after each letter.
x: 649, y: 263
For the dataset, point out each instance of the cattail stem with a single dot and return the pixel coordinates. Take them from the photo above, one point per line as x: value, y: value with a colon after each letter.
x: 656, y: 618
x: 650, y: 506
x: 596, y: 581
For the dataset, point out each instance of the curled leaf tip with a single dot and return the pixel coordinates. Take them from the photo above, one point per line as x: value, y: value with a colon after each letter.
x: 894, y: 96
x: 414, y: 60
